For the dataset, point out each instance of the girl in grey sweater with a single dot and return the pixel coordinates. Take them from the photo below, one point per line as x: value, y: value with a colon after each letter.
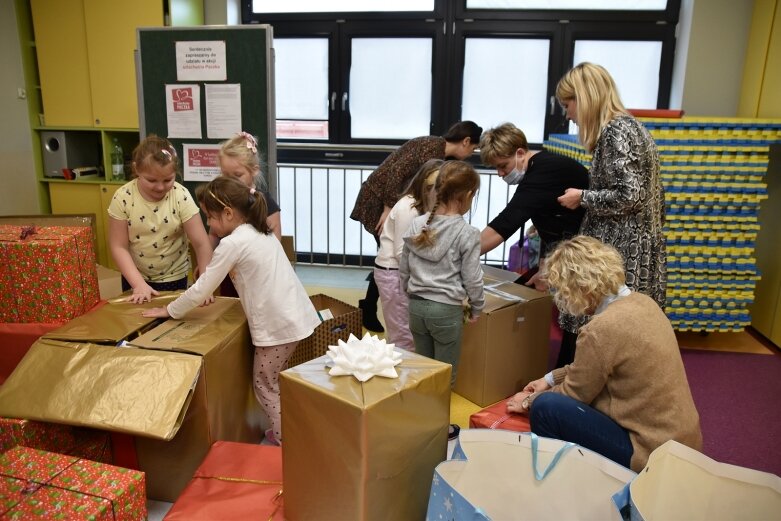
x: 440, y: 267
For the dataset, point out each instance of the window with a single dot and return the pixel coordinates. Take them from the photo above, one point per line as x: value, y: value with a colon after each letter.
x: 301, y: 87
x: 339, y: 6
x: 400, y: 69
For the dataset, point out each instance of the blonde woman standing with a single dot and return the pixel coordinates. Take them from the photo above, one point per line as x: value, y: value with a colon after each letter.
x: 625, y: 200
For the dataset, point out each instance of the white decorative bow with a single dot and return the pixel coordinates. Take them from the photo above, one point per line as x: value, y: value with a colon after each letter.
x: 364, y: 358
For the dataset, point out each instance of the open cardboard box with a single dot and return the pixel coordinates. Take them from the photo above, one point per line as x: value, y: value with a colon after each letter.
x: 508, y: 345
x: 178, y: 385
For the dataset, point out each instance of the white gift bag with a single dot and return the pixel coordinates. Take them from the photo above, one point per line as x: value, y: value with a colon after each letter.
x: 505, y: 475
x: 681, y: 483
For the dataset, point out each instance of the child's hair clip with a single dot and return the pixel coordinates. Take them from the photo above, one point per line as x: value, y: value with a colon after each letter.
x: 252, y: 143
x: 167, y: 154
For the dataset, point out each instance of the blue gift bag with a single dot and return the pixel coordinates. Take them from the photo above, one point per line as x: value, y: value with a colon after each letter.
x: 505, y: 475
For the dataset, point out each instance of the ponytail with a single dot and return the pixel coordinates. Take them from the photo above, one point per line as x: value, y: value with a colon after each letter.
x: 257, y: 212
x: 426, y: 235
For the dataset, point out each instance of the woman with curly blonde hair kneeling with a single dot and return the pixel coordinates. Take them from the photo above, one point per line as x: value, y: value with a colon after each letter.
x: 626, y: 392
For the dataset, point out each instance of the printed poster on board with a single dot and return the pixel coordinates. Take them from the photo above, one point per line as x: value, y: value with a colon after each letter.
x: 201, y: 61
x: 183, y: 110
x: 223, y: 110
x: 201, y: 162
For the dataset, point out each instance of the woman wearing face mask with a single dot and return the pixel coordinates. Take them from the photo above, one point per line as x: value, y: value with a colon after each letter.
x: 541, y: 177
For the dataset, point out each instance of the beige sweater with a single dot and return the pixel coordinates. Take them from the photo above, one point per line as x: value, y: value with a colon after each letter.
x: 628, y: 366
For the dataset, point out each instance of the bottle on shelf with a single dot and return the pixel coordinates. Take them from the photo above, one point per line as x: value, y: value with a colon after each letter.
x: 117, y: 162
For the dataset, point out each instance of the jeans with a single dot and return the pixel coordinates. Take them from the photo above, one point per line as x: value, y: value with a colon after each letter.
x: 436, y: 329
x: 554, y: 415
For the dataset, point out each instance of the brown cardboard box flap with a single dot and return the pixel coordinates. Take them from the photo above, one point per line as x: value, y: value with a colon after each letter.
x: 501, y: 290
x: 136, y: 391
x: 197, y: 332
x: 109, y: 324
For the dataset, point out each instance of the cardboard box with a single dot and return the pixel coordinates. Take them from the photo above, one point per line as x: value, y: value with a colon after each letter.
x: 109, y: 283
x: 289, y: 245
x: 346, y: 320
x: 508, y: 346
x: 46, y: 485
x: 363, y: 451
x: 178, y: 386
x: 236, y: 482
x: 48, y: 273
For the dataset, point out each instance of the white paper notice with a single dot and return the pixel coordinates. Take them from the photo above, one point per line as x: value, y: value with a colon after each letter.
x: 201, y: 61
x: 183, y: 110
x: 201, y: 162
x: 223, y: 110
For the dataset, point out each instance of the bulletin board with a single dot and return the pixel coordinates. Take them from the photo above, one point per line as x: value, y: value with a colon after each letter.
x: 248, y: 62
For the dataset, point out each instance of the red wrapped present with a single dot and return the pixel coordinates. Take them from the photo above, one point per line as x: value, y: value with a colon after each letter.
x: 497, y: 417
x: 84, y: 443
x: 236, y: 481
x: 43, y: 485
x: 48, y: 273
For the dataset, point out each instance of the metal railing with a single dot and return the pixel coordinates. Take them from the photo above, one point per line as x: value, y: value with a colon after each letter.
x: 317, y: 199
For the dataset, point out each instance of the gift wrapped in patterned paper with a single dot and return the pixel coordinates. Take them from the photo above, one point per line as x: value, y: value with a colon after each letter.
x: 38, y: 435
x: 36, y: 484
x: 48, y: 273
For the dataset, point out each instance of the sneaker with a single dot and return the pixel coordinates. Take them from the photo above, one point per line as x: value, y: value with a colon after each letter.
x: 271, y: 439
x: 453, y: 431
x: 369, y: 317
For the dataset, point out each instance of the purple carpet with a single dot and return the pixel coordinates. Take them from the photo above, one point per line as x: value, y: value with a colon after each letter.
x: 737, y: 396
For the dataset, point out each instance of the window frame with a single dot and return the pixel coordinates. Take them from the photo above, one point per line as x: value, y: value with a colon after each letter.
x: 449, y: 24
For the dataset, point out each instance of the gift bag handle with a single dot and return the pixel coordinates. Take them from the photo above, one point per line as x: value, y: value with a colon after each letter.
x: 563, y: 450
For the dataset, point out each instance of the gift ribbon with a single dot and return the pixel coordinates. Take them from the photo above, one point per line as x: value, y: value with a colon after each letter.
x: 33, y: 486
x: 559, y: 453
x: 500, y: 421
x: 254, y: 482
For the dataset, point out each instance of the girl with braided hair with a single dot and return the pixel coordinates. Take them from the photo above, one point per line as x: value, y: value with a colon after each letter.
x: 440, y: 268
x: 278, y: 309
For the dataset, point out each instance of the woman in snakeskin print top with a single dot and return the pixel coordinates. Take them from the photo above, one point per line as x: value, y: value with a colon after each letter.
x: 625, y: 200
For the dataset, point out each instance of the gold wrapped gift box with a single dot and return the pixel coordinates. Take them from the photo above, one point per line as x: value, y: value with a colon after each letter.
x: 177, y: 386
x: 508, y: 345
x: 363, y: 451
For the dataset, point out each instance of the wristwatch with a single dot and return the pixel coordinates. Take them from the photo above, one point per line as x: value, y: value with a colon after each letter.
x: 582, y: 194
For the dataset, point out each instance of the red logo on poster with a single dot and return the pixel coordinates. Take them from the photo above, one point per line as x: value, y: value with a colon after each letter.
x: 203, y: 157
x: 183, y: 99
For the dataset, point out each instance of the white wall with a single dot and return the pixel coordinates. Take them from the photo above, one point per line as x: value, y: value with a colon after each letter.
x: 18, y: 195
x: 708, y: 69
x: 222, y: 12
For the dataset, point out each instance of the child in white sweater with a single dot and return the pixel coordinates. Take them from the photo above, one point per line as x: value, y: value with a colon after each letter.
x: 278, y: 309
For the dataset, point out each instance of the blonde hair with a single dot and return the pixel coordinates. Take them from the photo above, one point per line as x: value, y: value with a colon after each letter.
x: 581, y: 272
x: 455, y: 181
x: 596, y: 94
x: 501, y: 141
x: 243, y: 147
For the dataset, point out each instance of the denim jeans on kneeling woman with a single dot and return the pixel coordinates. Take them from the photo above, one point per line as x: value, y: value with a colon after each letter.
x: 554, y: 415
